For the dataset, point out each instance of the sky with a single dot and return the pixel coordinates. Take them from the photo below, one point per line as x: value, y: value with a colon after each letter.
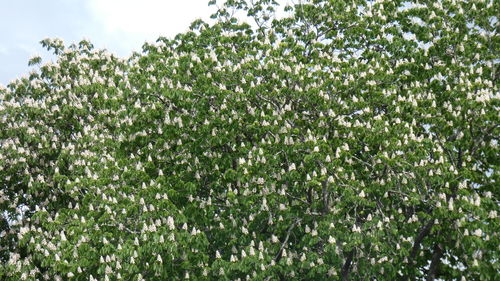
x: 121, y: 26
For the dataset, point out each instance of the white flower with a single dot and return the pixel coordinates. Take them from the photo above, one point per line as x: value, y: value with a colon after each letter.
x: 283, y: 253
x: 356, y: 229
x: 302, y: 257
x: 170, y: 223
x: 330, y: 179
x: 244, y: 230
x: 233, y: 258
x: 274, y: 239
x: 492, y: 214
x: 307, y: 229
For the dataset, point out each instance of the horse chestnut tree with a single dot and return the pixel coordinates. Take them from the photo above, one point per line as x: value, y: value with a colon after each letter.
x: 346, y: 140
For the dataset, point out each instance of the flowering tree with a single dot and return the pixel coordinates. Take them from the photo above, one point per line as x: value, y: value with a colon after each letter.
x: 349, y: 140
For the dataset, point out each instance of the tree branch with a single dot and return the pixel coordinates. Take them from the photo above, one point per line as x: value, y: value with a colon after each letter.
x: 424, y: 231
x: 347, y: 265
x: 436, y: 260
x: 278, y: 255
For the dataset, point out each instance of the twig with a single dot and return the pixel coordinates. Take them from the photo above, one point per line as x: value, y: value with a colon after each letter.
x: 278, y: 255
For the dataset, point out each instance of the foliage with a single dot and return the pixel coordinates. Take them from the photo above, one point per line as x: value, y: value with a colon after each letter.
x: 348, y: 140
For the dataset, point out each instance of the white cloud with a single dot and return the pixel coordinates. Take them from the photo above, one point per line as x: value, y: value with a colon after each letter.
x: 3, y: 50
x: 148, y: 18
x: 27, y: 48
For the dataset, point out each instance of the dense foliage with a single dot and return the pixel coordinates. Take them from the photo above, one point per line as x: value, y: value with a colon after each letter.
x: 349, y: 140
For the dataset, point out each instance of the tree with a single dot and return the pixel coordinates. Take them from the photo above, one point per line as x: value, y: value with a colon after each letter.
x: 349, y: 140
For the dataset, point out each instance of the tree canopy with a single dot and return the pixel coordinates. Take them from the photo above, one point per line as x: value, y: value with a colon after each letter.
x: 346, y: 140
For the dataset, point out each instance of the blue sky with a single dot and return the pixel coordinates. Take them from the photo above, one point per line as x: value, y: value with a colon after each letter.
x: 120, y: 26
